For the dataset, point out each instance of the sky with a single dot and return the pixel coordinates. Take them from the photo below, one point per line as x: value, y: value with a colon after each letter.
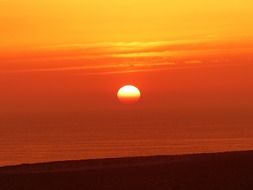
x: 41, y: 23
x: 62, y: 62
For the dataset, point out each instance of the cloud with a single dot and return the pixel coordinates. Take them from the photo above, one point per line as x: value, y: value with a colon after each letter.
x: 124, y: 57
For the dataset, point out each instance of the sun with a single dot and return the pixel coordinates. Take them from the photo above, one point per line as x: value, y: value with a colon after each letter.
x: 129, y: 94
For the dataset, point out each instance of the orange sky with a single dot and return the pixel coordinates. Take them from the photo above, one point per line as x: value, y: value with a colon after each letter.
x: 62, y: 62
x: 43, y: 23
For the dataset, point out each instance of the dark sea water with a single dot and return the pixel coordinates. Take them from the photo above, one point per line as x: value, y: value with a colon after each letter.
x: 40, y: 138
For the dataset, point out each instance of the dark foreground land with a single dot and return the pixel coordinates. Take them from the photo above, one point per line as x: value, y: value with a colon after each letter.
x: 219, y: 171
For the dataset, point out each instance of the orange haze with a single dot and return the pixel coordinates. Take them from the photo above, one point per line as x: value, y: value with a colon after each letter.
x: 62, y: 62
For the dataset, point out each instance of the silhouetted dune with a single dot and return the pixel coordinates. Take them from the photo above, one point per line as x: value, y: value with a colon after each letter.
x: 217, y: 171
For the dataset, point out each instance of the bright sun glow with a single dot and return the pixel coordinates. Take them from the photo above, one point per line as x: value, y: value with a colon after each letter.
x: 128, y: 94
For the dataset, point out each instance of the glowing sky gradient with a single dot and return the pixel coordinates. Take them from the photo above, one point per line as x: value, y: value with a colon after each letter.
x: 43, y: 23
